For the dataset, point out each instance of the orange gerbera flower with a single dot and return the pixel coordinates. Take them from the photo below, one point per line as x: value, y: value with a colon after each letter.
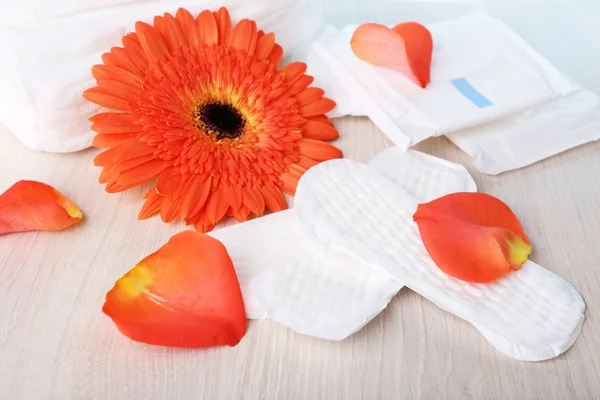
x: 204, y: 107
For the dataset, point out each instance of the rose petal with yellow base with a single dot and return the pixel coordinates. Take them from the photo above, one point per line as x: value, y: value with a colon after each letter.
x: 184, y: 295
x: 474, y: 237
x: 36, y: 206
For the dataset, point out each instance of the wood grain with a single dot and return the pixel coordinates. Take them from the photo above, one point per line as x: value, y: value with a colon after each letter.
x: 56, y: 343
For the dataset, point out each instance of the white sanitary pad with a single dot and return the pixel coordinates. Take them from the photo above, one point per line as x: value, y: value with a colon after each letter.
x: 490, y: 92
x: 47, y: 51
x: 288, y: 276
x: 533, y: 135
x: 531, y: 314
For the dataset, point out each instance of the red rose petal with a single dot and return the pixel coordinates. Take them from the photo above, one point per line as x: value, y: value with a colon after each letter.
x: 184, y: 295
x: 419, y: 49
x: 406, y: 48
x: 35, y: 206
x: 474, y: 237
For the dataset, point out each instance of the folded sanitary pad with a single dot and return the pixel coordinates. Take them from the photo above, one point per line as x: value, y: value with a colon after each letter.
x: 531, y: 314
x: 490, y: 92
x: 533, y: 135
x: 288, y: 276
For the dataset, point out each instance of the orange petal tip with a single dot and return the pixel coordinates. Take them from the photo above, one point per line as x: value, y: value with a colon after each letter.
x: 407, y: 48
x: 474, y: 237
x: 186, y: 294
x: 35, y: 206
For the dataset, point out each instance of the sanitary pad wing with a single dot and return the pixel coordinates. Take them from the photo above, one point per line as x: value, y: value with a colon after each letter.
x: 531, y: 314
x: 290, y: 277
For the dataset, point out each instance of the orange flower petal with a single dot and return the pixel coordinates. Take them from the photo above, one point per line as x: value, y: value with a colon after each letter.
x: 120, y: 89
x: 161, y: 28
x: 111, y: 139
x: 300, y: 84
x: 171, y: 204
x: 320, y: 131
x: 201, y: 198
x: 105, y: 99
x: 105, y: 158
x: 105, y: 176
x: 203, y: 227
x: 109, y: 59
x: 306, y: 163
x: 289, y: 183
x: 321, y: 118
x: 35, y: 206
x: 117, y: 168
x: 152, y: 43
x: 207, y: 28
x: 254, y: 200
x: 174, y: 33
x: 114, y: 123
x: 406, y: 48
x: 274, y: 199
x: 243, y: 36
x: 309, y: 95
x: 167, y: 182
x: 293, y: 71
x: 141, y: 173
x: 151, y: 205
x: 184, y: 295
x: 241, y: 214
x: 122, y: 59
x: 234, y: 196
x: 131, y: 149
x: 169, y: 208
x: 224, y: 24
x: 474, y: 237
x: 189, y: 26
x: 216, y: 206
x: 317, y: 150
x: 276, y: 55
x: 320, y: 106
x: 114, y: 187
x: 264, y: 46
x: 113, y: 73
x: 132, y: 45
x: 194, y: 195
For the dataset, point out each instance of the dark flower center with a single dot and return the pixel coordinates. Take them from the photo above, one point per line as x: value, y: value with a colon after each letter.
x: 222, y: 119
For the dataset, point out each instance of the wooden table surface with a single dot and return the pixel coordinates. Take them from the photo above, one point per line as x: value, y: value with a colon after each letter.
x: 56, y: 343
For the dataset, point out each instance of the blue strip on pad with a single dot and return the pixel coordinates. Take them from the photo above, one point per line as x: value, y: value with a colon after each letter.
x: 467, y: 90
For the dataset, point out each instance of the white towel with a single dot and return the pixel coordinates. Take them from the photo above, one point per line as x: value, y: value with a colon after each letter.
x: 47, y: 50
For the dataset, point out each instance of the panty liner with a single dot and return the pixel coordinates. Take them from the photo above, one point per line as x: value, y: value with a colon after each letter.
x: 288, y: 276
x: 531, y: 314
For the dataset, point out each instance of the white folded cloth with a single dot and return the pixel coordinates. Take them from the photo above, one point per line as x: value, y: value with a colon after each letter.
x: 491, y: 93
x: 47, y: 50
